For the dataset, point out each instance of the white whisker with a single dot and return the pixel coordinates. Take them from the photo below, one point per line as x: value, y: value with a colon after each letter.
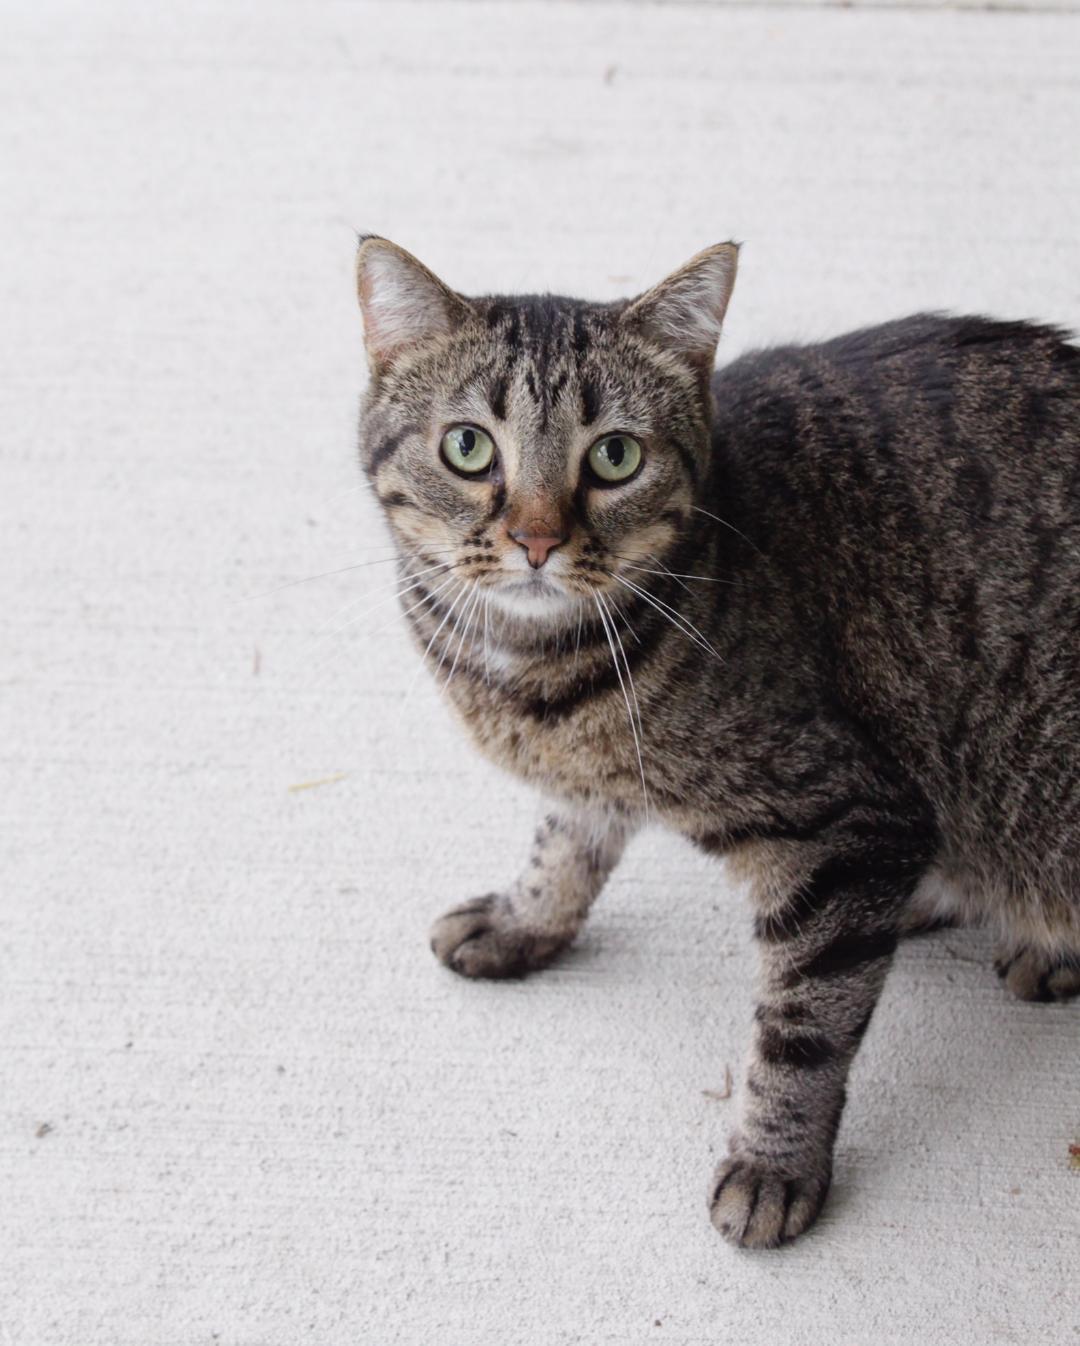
x: 624, y: 619
x: 677, y: 578
x: 341, y: 570
x: 622, y: 650
x: 724, y: 523
x: 464, y: 584
x: 398, y: 592
x: 429, y: 597
x: 684, y: 624
x: 468, y: 612
x: 676, y: 575
x: 454, y: 627
x: 487, y: 659
x: 322, y: 634
x: 609, y: 632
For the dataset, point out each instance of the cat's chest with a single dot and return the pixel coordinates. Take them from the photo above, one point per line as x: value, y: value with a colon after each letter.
x: 573, y: 744
x: 677, y: 751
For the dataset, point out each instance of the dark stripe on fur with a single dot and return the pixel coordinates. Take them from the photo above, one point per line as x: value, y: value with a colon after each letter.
x: 801, y: 1051
x: 384, y: 451
x: 590, y: 401
x: 844, y: 954
x: 690, y: 467
x: 497, y: 397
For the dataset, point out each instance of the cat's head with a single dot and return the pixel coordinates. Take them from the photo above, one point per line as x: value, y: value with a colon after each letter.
x: 537, y: 444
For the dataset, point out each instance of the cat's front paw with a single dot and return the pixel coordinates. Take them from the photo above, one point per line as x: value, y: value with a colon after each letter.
x: 483, y: 938
x: 755, y: 1207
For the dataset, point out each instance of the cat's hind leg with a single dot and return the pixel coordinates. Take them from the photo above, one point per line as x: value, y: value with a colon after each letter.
x: 1033, y: 974
x: 510, y: 933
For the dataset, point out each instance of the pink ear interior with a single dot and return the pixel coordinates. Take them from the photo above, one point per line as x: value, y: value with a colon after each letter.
x: 402, y: 302
x: 685, y: 312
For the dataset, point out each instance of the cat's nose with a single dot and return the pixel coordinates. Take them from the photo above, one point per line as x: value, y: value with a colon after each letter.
x: 539, y: 540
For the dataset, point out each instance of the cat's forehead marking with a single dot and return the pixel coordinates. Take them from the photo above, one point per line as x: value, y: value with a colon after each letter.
x: 552, y: 359
x: 545, y: 342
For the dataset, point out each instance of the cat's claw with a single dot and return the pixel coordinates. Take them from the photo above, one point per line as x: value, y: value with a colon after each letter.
x: 481, y: 938
x: 755, y: 1207
x: 1031, y: 974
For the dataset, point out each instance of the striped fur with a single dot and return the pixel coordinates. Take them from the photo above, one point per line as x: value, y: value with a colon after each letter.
x: 831, y: 630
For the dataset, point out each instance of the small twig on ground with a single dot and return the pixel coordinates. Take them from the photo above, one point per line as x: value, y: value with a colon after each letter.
x: 962, y: 957
x: 311, y: 784
x: 719, y: 1095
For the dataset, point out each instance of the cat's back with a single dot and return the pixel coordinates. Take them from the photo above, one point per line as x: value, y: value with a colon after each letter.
x: 916, y: 488
x: 937, y: 383
x: 929, y: 437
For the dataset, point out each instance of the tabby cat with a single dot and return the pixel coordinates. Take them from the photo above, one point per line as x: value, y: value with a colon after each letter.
x: 818, y: 611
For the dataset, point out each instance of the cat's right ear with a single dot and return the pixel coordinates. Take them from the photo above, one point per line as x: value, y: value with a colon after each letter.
x: 403, y: 304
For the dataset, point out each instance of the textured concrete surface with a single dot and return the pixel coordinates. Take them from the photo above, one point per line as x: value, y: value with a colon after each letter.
x: 239, y: 1102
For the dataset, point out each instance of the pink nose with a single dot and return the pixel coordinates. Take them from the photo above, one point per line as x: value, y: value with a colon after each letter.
x: 537, y: 545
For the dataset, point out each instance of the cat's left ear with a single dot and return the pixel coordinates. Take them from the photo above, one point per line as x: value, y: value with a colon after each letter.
x: 403, y: 303
x: 685, y: 312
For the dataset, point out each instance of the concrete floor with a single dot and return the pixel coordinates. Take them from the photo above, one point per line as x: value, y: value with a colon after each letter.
x: 239, y: 1102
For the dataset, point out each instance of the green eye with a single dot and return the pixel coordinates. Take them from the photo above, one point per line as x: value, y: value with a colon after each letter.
x: 467, y: 449
x: 615, y: 458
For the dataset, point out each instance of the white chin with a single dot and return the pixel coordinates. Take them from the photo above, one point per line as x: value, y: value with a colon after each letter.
x: 534, y: 599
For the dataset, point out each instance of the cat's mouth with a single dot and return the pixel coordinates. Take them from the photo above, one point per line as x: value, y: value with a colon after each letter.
x: 533, y: 596
x: 535, y: 584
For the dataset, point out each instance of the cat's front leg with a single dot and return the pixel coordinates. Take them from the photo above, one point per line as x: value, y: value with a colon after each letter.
x: 827, y: 923
x: 509, y: 933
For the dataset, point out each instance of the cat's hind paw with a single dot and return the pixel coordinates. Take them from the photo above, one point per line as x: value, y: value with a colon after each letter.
x: 482, y: 938
x: 755, y: 1207
x: 1031, y: 974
